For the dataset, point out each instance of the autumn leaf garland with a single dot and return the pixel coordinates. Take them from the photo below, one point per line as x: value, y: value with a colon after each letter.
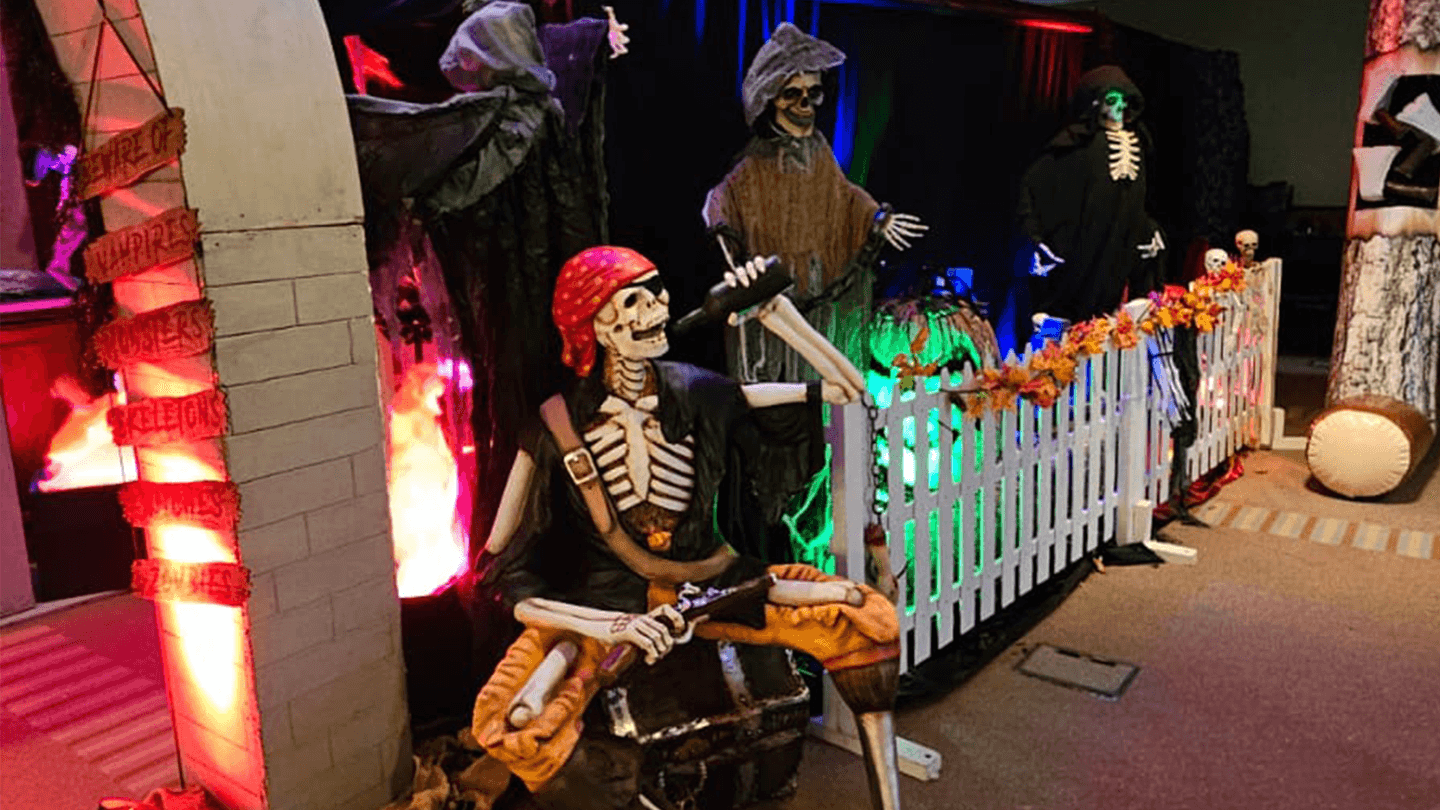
x: 1049, y: 371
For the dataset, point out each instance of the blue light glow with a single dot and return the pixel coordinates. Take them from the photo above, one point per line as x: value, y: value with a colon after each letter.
x: 847, y: 92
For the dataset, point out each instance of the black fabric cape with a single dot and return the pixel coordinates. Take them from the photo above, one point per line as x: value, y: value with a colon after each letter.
x: 740, y: 488
x: 509, y: 182
x: 1069, y: 202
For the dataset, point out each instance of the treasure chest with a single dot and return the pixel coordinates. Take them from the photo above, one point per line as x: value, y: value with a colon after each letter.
x: 721, y: 724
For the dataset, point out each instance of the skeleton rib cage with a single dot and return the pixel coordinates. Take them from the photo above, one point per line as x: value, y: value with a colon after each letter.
x: 1124, y: 154
x: 637, y: 464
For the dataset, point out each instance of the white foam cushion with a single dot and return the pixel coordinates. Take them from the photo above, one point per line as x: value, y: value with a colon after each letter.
x: 1357, y: 453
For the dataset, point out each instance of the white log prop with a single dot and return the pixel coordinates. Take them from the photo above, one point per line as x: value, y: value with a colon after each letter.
x: 538, y: 690
x: 1367, y: 446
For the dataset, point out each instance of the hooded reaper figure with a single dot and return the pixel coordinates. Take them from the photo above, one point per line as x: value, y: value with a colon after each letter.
x: 786, y: 196
x: 1083, y: 204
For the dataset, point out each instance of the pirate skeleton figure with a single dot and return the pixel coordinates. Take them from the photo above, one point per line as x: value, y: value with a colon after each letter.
x: 787, y: 196
x: 645, y: 476
x: 1082, y: 205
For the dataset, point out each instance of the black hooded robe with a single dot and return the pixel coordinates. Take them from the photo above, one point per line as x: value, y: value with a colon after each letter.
x: 1069, y: 202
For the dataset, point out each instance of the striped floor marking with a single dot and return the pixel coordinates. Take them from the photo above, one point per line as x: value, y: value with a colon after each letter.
x: 1249, y: 518
x: 1288, y: 524
x: 1415, y: 544
x: 107, y: 714
x: 1325, y: 530
x: 1372, y: 537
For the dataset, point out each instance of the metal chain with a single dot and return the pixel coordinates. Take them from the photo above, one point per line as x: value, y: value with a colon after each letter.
x: 872, y: 410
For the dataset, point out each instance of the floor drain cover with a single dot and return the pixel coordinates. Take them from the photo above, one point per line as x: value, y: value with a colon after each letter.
x: 1079, y: 670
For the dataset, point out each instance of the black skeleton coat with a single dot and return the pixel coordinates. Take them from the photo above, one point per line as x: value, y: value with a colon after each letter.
x: 748, y: 462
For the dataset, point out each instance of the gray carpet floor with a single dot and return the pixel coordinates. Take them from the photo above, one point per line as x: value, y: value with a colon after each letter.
x: 1280, y: 672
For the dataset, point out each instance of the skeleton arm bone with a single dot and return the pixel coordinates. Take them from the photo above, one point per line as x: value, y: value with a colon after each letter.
x: 782, y: 318
x: 763, y: 395
x: 512, y: 503
x: 648, y: 631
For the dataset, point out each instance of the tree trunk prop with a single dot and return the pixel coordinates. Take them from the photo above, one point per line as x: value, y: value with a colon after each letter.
x: 1382, y: 395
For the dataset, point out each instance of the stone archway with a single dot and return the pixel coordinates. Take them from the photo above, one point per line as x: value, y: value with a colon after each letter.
x: 295, y: 699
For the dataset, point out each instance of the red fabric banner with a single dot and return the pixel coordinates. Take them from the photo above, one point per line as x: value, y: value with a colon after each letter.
x: 178, y: 330
x: 170, y: 419
x: 209, y: 504
x: 132, y: 154
x: 157, y: 241
x: 212, y: 583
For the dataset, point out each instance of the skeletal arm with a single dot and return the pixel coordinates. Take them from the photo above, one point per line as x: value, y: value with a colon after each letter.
x: 512, y: 502
x: 843, y: 382
x: 647, y: 631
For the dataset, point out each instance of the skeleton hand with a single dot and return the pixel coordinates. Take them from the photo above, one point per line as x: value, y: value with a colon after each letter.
x: 899, y: 228
x: 618, y: 38
x: 652, y: 632
x: 1151, y: 249
x: 1044, y: 260
x: 744, y: 274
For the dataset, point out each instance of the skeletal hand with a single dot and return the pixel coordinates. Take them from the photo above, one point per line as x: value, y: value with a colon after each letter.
x: 744, y: 274
x: 1044, y: 260
x: 900, y: 228
x: 651, y: 632
x: 618, y: 38
x: 1151, y: 249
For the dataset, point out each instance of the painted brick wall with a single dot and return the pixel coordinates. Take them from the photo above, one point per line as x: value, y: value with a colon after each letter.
x: 269, y: 165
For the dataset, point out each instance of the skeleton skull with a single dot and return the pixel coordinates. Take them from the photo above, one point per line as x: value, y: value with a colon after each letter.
x: 632, y: 323
x: 1112, y: 108
x: 1215, y: 260
x: 796, y: 102
x: 1247, y: 242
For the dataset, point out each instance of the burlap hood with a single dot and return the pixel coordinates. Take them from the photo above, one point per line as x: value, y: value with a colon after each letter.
x: 788, y: 51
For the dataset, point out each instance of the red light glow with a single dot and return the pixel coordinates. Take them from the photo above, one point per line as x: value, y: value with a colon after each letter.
x: 430, y: 544
x: 1057, y: 25
x: 82, y: 453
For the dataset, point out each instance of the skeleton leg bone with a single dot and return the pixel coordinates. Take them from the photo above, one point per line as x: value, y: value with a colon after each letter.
x: 869, y: 691
x: 797, y: 593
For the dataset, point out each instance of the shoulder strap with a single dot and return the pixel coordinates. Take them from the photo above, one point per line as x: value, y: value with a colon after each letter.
x: 586, y: 476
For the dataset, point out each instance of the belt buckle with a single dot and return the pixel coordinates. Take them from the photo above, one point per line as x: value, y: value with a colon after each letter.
x: 581, y: 466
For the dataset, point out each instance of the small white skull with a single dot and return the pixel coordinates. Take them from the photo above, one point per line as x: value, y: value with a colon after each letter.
x: 1215, y: 259
x: 1247, y: 242
x: 632, y: 323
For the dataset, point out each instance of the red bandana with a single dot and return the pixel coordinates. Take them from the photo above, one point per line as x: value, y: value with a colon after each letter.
x: 586, y: 282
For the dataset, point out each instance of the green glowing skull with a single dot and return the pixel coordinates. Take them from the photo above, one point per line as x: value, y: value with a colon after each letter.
x: 1112, y: 107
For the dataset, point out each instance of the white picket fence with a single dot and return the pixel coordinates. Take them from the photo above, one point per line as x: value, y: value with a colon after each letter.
x: 998, y: 505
